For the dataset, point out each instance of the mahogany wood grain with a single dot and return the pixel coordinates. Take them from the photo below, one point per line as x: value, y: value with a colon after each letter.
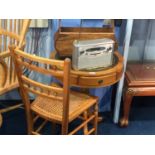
x: 139, y: 81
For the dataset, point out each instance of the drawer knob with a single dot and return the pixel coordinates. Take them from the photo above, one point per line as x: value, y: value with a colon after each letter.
x: 100, y: 81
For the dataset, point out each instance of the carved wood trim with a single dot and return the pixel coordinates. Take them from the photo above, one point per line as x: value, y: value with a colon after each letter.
x: 130, y: 91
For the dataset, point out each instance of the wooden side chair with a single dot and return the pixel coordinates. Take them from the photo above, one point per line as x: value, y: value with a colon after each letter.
x: 12, y: 32
x: 52, y: 103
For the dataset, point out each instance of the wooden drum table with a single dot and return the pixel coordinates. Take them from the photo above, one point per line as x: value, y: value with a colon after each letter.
x: 97, y: 78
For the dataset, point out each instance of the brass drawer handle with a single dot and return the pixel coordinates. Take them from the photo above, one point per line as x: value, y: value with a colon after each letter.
x: 100, y: 81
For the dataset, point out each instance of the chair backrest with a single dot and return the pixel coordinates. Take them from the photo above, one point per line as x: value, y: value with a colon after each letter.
x: 44, y: 66
x: 12, y: 32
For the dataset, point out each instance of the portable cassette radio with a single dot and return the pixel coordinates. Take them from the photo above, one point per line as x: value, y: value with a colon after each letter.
x: 91, y: 54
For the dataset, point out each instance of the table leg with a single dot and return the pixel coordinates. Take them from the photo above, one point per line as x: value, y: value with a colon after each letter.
x: 1, y: 119
x: 124, y: 121
x: 86, y: 91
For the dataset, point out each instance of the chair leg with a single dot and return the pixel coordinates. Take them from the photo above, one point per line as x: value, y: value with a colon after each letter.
x: 64, y: 131
x: 1, y: 119
x: 85, y: 129
x: 29, y: 117
x: 96, y: 117
x: 124, y: 121
x: 53, y: 127
x: 64, y: 128
x: 29, y: 122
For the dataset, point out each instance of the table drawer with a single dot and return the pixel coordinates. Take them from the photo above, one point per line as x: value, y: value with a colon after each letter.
x: 97, y: 81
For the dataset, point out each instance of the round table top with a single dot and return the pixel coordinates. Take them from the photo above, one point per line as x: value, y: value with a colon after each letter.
x: 98, y: 78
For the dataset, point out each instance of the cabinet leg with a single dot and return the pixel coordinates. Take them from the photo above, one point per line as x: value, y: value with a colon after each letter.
x: 124, y: 121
